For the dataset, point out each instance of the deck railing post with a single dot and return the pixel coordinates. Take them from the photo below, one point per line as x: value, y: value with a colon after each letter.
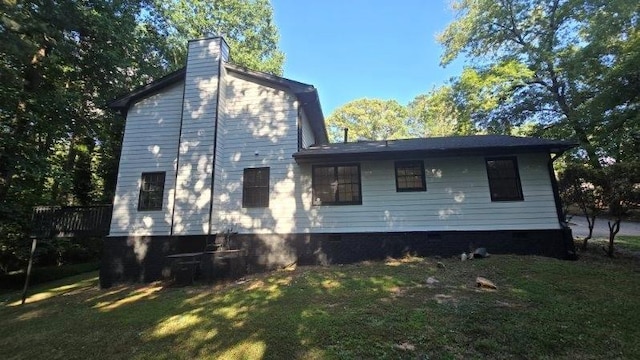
x: 26, y: 279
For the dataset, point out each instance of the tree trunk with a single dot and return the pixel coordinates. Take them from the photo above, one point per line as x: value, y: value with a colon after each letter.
x: 613, y: 230
x: 591, y: 221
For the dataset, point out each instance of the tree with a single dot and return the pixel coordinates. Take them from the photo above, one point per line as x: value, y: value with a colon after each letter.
x: 620, y: 186
x: 576, y: 59
x: 247, y: 25
x: 61, y: 62
x: 576, y: 187
x: 613, y: 188
x: 439, y: 113
x: 470, y: 102
x: 372, y: 119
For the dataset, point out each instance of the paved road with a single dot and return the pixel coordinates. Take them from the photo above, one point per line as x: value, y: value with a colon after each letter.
x: 580, y: 229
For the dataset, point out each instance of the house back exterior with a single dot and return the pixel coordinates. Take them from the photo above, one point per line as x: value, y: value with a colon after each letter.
x: 214, y: 147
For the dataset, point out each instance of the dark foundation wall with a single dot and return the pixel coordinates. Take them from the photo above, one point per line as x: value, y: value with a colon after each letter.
x: 143, y: 259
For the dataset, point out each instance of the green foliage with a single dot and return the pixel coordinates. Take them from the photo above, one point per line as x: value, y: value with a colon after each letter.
x: 578, y: 186
x: 621, y: 183
x: 439, y: 113
x: 247, y: 25
x: 62, y: 62
x: 372, y: 119
x: 569, y: 66
x: 474, y: 102
x: 613, y: 188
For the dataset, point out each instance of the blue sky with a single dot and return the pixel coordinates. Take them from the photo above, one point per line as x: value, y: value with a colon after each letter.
x: 352, y: 49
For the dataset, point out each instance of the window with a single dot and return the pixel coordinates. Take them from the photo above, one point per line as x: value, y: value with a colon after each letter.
x: 410, y: 176
x: 504, y: 181
x: 336, y: 185
x: 151, y: 191
x: 255, y: 188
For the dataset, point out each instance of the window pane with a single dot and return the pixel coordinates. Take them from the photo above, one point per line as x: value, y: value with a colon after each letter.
x: 336, y: 184
x: 410, y: 176
x: 347, y: 178
x: 151, y: 191
x: 504, y: 181
x: 255, y: 187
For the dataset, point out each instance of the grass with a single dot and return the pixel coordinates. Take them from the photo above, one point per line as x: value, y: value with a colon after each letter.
x: 543, y: 308
x: 623, y: 243
x: 39, y: 275
x: 631, y: 243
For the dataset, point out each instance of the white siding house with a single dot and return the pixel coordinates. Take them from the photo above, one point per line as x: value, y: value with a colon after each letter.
x: 214, y: 147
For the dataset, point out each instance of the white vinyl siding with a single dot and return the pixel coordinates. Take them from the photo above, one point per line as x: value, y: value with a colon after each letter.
x: 308, y: 138
x: 260, y: 130
x: 150, y: 144
x: 457, y: 198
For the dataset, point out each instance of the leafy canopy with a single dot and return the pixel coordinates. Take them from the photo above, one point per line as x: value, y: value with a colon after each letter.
x: 371, y: 119
x: 247, y: 25
x: 569, y: 66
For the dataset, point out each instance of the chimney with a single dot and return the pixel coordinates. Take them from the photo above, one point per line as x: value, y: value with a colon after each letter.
x: 212, y: 48
x: 346, y: 134
x: 202, y: 89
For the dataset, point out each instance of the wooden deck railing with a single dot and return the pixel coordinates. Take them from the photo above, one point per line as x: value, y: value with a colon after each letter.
x: 70, y: 221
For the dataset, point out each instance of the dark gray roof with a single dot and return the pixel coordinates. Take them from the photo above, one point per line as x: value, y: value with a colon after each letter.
x: 436, y: 146
x: 123, y: 102
x: 307, y: 95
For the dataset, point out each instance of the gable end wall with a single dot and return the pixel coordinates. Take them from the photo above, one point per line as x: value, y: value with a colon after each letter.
x: 150, y: 144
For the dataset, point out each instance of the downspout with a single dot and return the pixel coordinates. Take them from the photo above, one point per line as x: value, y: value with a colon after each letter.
x: 299, y: 125
x: 554, y: 187
x: 567, y: 237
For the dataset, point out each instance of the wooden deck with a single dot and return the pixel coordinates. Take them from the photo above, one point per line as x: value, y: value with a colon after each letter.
x: 70, y: 221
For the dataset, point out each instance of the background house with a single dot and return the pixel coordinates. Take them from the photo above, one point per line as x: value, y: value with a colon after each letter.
x: 214, y: 147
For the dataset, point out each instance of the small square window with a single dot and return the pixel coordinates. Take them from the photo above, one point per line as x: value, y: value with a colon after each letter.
x: 504, y: 180
x: 410, y: 176
x: 255, y: 188
x: 151, y: 191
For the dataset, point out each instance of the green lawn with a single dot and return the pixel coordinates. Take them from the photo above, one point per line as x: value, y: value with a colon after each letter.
x: 622, y: 243
x: 543, y: 308
x: 628, y: 242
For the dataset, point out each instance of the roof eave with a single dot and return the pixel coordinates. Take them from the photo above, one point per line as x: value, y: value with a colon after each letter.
x: 123, y: 102
x: 311, y: 156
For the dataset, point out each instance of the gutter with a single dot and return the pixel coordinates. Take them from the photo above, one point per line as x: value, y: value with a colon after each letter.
x: 311, y: 156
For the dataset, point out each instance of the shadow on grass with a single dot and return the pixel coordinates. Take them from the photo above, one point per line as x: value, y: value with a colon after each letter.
x: 543, y: 307
x: 305, y: 313
x: 289, y: 314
